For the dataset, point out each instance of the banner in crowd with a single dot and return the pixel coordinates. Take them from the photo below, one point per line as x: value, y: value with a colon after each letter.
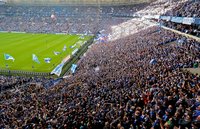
x: 183, y: 20
x: 197, y: 21
x: 151, y: 16
x: 188, y: 20
x: 177, y: 19
x: 167, y: 18
x: 73, y: 68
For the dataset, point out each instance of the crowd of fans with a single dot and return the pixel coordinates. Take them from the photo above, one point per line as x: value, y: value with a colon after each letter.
x: 116, y: 86
x: 70, y: 19
x: 13, y: 82
x: 179, y: 8
x: 135, y: 82
x: 189, y: 8
x: 10, y: 82
x: 188, y: 29
x: 160, y: 7
x: 90, y: 19
x: 175, y: 8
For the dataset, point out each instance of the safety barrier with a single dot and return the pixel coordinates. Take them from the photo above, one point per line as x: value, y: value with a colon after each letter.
x: 183, y: 20
x: 22, y: 73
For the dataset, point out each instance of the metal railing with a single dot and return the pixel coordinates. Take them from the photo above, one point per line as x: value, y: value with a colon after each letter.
x: 22, y: 73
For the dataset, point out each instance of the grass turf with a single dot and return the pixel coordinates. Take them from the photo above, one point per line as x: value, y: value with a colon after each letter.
x: 22, y: 45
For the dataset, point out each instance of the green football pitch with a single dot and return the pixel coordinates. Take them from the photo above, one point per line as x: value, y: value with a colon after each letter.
x: 21, y: 46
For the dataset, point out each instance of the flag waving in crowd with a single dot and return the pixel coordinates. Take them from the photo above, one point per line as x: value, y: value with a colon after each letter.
x: 73, y: 68
x: 9, y: 57
x: 58, y: 69
x: 35, y: 58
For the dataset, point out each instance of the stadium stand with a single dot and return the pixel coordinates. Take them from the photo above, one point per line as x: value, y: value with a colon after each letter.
x: 187, y: 9
x: 134, y: 81
x: 38, y: 18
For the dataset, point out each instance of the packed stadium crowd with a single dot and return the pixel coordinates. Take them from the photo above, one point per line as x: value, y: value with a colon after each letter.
x: 186, y: 9
x: 188, y: 29
x: 117, y: 85
x: 10, y: 82
x: 160, y: 7
x: 175, y: 8
x: 136, y: 82
x: 61, y: 19
x: 88, y: 19
x: 13, y: 82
